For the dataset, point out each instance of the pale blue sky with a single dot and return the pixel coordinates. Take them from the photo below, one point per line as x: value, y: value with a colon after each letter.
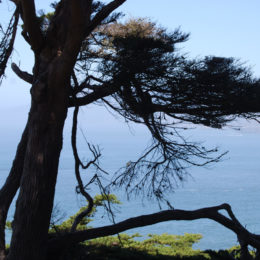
x: 218, y: 27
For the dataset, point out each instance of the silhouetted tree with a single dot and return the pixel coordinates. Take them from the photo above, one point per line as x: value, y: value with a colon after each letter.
x: 84, y: 56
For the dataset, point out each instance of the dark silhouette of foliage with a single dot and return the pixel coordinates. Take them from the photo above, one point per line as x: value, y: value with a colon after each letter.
x: 145, y: 79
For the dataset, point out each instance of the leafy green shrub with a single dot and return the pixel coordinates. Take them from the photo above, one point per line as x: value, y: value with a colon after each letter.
x: 98, y: 201
x: 155, y: 246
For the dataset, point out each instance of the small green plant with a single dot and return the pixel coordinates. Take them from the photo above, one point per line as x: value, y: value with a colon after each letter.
x: 98, y: 201
x: 8, y: 225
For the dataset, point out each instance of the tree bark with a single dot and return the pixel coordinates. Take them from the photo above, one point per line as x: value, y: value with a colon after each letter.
x: 10, y: 188
x: 35, y: 200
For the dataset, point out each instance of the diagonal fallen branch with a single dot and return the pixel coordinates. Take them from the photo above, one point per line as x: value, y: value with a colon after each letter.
x: 244, y: 236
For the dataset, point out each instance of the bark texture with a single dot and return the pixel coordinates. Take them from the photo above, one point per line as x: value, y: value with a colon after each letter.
x: 35, y: 201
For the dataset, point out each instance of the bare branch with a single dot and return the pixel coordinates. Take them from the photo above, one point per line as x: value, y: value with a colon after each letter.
x: 167, y: 215
x: 104, y: 13
x: 100, y: 93
x: 22, y: 74
x: 77, y: 173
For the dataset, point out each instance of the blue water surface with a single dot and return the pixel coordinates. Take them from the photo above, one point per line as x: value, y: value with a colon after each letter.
x: 235, y: 180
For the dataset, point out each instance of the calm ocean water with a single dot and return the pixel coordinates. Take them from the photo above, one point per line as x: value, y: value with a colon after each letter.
x: 235, y: 180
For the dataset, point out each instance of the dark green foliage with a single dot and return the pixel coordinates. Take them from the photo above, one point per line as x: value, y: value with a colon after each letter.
x: 155, y: 245
x: 99, y: 201
x: 165, y: 246
x: 143, y: 60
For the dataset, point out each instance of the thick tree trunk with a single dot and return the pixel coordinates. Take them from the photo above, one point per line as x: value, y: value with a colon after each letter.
x: 37, y: 187
x: 10, y: 188
x: 35, y: 200
x: 50, y: 93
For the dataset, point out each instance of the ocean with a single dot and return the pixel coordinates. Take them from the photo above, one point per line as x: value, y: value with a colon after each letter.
x: 234, y: 180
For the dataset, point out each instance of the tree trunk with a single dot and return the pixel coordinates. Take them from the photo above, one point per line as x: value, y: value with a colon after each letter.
x: 56, y: 52
x: 10, y: 188
x: 35, y: 200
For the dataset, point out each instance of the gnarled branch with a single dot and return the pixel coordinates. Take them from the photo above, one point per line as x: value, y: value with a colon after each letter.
x: 104, y: 13
x: 22, y: 74
x: 78, y: 163
x: 212, y: 213
x: 101, y: 92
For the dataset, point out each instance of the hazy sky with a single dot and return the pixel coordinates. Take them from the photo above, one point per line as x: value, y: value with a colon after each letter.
x: 218, y: 27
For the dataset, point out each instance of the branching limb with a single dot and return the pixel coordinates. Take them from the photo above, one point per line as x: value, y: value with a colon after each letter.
x: 167, y: 215
x: 164, y: 163
x: 104, y: 13
x: 77, y: 173
x: 78, y: 163
x: 97, y: 94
